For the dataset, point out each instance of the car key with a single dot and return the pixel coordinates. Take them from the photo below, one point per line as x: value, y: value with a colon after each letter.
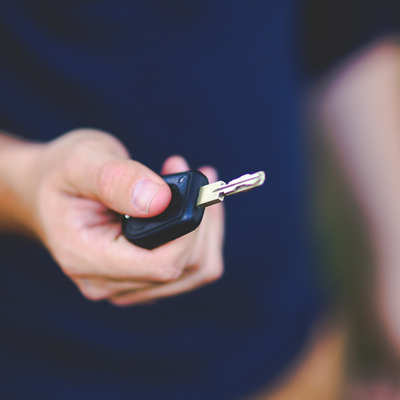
x: 191, y: 193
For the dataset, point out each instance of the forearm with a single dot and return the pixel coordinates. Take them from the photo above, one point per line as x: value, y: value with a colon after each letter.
x: 17, y: 159
x: 360, y: 111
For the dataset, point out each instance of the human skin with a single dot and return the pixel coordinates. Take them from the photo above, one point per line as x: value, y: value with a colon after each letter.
x: 67, y: 192
x: 359, y: 109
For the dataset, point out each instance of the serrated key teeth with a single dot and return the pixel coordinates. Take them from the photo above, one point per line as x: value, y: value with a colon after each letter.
x: 261, y: 177
x: 215, y: 192
x: 243, y: 183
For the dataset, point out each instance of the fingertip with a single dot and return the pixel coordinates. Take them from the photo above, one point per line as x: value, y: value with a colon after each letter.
x: 210, y: 172
x: 174, y: 164
x: 160, y: 201
x: 150, y: 197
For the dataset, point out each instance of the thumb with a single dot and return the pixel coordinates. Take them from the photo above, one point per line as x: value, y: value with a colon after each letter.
x: 97, y: 166
x: 129, y: 187
x: 123, y: 185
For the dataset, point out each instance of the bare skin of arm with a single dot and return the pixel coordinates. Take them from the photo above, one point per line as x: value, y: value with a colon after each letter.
x: 360, y: 111
x: 15, y: 159
x: 67, y: 192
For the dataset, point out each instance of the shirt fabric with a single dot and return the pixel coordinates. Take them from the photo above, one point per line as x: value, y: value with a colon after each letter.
x: 217, y: 82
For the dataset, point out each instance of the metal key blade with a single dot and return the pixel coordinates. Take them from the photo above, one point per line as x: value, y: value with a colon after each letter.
x: 242, y: 184
x: 215, y: 192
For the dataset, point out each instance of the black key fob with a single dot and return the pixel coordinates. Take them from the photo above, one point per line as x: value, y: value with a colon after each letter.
x: 181, y: 216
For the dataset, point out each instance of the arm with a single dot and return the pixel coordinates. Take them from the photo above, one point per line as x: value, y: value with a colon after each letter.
x: 62, y: 193
x: 359, y: 106
x: 15, y: 160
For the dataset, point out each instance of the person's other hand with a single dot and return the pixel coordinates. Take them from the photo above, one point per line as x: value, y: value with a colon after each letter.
x: 81, y: 181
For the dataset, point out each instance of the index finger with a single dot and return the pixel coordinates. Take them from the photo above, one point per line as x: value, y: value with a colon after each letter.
x: 111, y: 256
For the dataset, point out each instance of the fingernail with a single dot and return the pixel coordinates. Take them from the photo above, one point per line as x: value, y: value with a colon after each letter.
x: 143, y: 194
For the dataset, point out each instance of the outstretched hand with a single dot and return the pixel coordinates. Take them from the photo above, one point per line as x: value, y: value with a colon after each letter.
x: 82, y: 181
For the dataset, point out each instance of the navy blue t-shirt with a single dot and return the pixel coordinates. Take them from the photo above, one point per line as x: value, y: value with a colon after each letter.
x: 215, y: 81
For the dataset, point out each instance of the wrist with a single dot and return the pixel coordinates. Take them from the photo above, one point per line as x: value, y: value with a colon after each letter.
x: 19, y: 176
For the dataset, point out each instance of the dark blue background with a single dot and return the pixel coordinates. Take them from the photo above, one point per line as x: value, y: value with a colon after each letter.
x: 218, y: 83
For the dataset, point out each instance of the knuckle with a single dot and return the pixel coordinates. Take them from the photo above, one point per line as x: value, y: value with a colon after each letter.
x: 115, y: 303
x: 80, y: 140
x: 93, y: 298
x: 107, y: 175
x: 91, y: 291
x: 76, y: 154
x: 115, y: 146
x: 214, y: 274
x: 68, y: 258
x: 166, y: 274
x: 101, y: 139
x: 67, y: 266
x: 88, y: 134
x: 121, y: 303
x: 94, y: 294
x: 68, y: 269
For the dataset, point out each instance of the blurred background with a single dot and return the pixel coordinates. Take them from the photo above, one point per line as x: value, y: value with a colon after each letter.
x: 344, y: 248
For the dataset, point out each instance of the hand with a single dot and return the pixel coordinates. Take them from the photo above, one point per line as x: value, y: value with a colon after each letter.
x: 80, y: 181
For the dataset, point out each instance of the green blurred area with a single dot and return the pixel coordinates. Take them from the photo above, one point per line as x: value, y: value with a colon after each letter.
x: 348, y: 266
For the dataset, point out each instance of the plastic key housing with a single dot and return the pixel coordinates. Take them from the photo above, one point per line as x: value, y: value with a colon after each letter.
x: 181, y: 216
